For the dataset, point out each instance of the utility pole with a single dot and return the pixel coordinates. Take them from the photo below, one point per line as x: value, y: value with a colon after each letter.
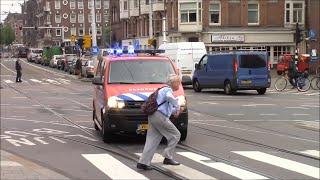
x: 164, y: 30
x: 93, y: 24
x: 150, y: 20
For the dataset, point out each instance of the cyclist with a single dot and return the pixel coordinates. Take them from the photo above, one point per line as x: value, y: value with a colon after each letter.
x: 293, y: 72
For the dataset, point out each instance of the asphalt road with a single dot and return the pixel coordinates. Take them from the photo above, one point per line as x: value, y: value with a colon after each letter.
x: 47, y: 119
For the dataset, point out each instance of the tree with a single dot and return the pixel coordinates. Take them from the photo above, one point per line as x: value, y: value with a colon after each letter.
x: 7, y: 35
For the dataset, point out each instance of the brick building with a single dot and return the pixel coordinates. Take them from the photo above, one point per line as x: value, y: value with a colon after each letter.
x: 15, y: 20
x: 267, y: 25
x: 63, y: 18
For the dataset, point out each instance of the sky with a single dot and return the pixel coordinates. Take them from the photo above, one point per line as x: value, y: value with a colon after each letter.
x: 7, y: 6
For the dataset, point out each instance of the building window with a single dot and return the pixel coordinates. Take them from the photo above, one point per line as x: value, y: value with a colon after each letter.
x: 147, y: 2
x: 99, y: 31
x: 57, y: 4
x: 89, y: 17
x: 125, y: 5
x: 294, y: 12
x: 81, y: 31
x: 89, y: 4
x: 58, y: 32
x: 135, y: 3
x: 73, y: 31
x: 58, y: 18
x: 106, y: 18
x: 234, y: 1
x: 98, y: 4
x: 106, y: 4
x: 98, y: 17
x: 48, y: 18
x: 278, y: 51
x: 72, y: 4
x: 80, y: 18
x: 73, y: 18
x: 80, y: 4
x: 215, y: 12
x: 188, y: 12
x: 253, y: 13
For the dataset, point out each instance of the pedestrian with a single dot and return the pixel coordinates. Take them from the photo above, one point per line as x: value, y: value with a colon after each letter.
x: 18, y: 69
x: 160, y: 125
x: 78, y: 67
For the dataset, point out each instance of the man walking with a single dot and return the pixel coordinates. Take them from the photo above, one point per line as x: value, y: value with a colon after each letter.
x: 18, y: 69
x: 160, y: 125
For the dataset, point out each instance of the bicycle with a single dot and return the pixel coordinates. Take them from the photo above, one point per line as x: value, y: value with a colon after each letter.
x: 315, y: 81
x: 302, y: 83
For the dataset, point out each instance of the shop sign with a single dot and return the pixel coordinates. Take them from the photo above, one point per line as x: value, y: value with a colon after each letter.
x: 227, y: 38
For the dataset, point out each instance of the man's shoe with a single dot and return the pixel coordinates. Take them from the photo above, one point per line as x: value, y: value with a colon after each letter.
x: 170, y: 162
x: 143, y: 166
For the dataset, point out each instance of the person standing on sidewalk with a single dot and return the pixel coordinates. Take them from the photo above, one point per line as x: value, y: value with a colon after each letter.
x: 160, y: 125
x: 18, y: 69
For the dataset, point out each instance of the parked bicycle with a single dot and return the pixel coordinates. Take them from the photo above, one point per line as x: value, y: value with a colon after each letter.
x: 315, y: 81
x: 301, y: 82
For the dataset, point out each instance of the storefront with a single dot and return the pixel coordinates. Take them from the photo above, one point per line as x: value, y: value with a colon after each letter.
x: 275, y: 43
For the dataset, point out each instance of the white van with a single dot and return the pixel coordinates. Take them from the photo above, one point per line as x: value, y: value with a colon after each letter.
x: 34, y: 54
x: 185, y: 55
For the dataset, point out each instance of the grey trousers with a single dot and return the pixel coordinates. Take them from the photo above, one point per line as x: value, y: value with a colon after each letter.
x: 159, y: 126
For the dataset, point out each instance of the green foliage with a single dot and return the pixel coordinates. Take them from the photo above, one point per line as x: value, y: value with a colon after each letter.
x: 7, y: 35
x: 48, y: 52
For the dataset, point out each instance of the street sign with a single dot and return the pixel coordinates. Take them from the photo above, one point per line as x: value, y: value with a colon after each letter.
x: 95, y: 50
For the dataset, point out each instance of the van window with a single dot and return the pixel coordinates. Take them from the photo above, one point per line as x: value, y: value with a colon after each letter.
x: 252, y: 61
x: 203, y: 62
x: 140, y: 72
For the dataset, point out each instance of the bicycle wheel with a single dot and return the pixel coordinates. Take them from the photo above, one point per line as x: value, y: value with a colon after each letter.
x: 303, y: 84
x: 315, y: 83
x: 281, y: 83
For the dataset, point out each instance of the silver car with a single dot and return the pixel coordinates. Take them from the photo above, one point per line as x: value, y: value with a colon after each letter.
x: 87, y: 69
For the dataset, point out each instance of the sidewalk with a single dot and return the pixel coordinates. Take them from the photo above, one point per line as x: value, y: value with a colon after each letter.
x: 15, y: 167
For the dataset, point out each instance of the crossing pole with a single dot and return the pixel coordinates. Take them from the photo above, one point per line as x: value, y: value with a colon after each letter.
x: 150, y: 20
x: 93, y: 24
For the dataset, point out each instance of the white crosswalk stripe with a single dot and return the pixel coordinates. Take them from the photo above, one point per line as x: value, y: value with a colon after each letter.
x: 57, y: 81
x: 231, y: 170
x: 8, y: 81
x: 282, y: 162
x: 181, y: 170
x: 313, y: 153
x: 112, y: 167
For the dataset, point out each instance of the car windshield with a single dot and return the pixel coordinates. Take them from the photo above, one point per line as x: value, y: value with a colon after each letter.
x: 37, y: 51
x: 140, y: 72
x: 252, y: 61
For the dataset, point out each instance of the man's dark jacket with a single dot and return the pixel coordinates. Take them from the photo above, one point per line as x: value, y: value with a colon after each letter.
x: 18, y: 66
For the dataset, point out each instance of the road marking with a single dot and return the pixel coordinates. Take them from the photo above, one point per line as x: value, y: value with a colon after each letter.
x: 112, y: 167
x: 296, y: 108
x: 250, y: 105
x: 212, y: 103
x: 268, y: 114
x: 8, y: 81
x: 19, y: 97
x: 80, y: 103
x: 196, y: 113
x: 313, y: 153
x: 52, y: 81
x: 181, y: 170
x: 7, y: 68
x: 281, y: 162
x: 312, y: 94
x: 313, y: 106
x: 9, y: 163
x: 55, y: 73
x: 36, y: 80
x: 231, y: 170
x: 235, y: 114
x: 301, y: 114
x: 249, y: 130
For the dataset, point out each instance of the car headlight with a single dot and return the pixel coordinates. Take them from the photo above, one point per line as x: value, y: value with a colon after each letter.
x: 182, y: 100
x: 113, y: 102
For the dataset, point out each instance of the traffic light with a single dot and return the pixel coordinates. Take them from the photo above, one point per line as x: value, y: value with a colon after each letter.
x: 152, y: 42
x: 80, y: 42
x: 36, y: 28
x: 20, y: 28
x: 87, y: 42
x: 298, y: 34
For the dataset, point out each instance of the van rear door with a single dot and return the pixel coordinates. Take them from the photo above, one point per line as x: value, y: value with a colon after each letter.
x: 253, y: 70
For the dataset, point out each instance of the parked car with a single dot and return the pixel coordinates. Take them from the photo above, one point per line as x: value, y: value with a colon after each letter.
x: 22, y: 52
x: 185, y: 55
x: 72, y: 67
x: 242, y: 70
x: 87, y: 69
x: 54, y: 61
x: 70, y: 58
x: 34, y: 54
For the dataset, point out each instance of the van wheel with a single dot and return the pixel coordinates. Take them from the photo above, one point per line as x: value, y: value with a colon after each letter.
x: 262, y: 91
x: 196, y: 86
x: 106, y: 136
x: 227, y: 88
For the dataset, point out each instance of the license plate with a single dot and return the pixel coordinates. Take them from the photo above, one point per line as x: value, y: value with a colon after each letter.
x: 246, y: 82
x: 143, y: 126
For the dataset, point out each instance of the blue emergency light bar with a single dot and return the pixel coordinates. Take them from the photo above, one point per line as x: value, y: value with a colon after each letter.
x: 150, y: 51
x: 133, y: 51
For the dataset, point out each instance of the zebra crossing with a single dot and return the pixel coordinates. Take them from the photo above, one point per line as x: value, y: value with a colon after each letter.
x: 310, y: 92
x: 43, y: 81
x: 115, y: 169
